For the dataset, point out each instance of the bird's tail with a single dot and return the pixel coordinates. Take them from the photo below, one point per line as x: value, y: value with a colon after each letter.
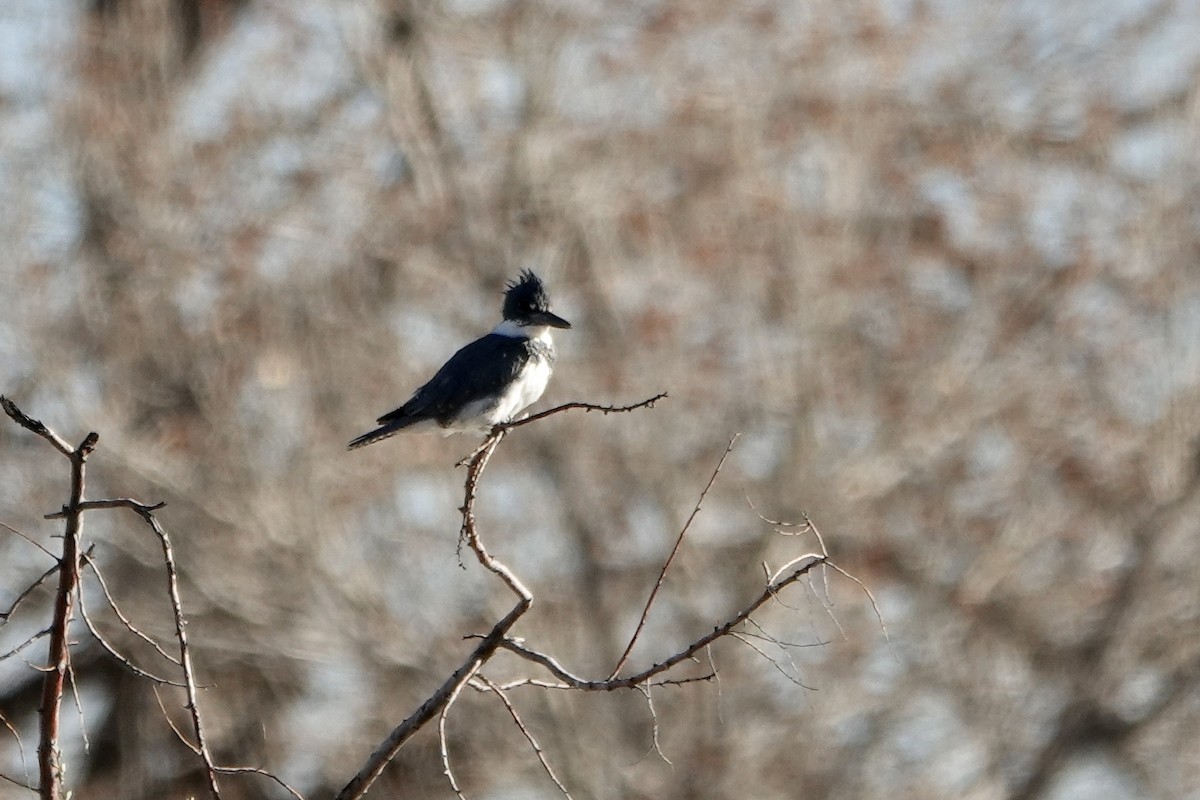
x: 379, y: 434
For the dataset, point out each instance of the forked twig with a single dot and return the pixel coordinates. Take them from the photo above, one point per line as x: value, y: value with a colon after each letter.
x: 129, y: 626
x: 662, y: 575
x: 533, y: 743
x: 223, y: 770
x: 631, y: 681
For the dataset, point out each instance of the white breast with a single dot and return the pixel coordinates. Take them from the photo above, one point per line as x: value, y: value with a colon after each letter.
x: 524, y: 392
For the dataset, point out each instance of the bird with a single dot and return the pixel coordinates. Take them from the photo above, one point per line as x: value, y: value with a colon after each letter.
x: 489, y: 381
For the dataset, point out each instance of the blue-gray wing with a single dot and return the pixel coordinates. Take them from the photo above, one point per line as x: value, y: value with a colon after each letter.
x: 479, y: 370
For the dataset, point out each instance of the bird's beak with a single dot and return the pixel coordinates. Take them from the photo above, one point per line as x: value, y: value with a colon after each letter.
x: 548, y: 318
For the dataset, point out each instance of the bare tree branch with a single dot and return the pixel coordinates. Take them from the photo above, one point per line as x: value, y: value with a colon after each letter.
x: 146, y: 512
x: 264, y: 773
x: 554, y: 668
x: 21, y: 750
x: 442, y: 743
x: 4, y: 617
x: 512, y: 712
x: 112, y: 603
x: 29, y: 539
x: 450, y: 688
x: 17, y: 783
x: 662, y: 575
x: 223, y: 770
x: 112, y: 650
x: 32, y: 638
x: 587, y: 407
x: 29, y: 423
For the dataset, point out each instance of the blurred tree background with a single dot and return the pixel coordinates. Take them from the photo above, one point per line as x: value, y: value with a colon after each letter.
x: 936, y: 261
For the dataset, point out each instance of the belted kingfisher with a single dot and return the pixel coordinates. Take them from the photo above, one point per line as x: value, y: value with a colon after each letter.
x: 490, y: 380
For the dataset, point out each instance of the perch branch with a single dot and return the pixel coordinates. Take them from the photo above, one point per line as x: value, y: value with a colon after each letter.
x: 587, y: 407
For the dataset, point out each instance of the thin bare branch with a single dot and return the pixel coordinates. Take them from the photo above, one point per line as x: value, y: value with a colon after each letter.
x: 29, y: 423
x: 112, y: 603
x: 264, y: 773
x: 33, y: 638
x: 17, y: 783
x: 537, y: 748
x: 87, y: 741
x: 28, y: 538
x: 655, y: 743
x: 762, y: 635
x: 874, y: 605
x: 4, y: 617
x: 739, y: 636
x: 112, y: 650
x: 662, y: 575
x: 185, y: 657
x: 631, y: 681
x: 683, y: 681
x: 587, y: 407
x: 442, y: 743
x: 171, y: 724
x: 113, y: 502
x: 223, y: 770
x: 146, y: 512
x: 20, y: 749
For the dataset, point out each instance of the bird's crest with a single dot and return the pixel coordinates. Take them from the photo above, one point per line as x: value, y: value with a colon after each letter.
x: 525, y: 295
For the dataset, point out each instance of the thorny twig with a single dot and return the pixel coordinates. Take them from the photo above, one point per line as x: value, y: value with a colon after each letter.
x: 587, y: 407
